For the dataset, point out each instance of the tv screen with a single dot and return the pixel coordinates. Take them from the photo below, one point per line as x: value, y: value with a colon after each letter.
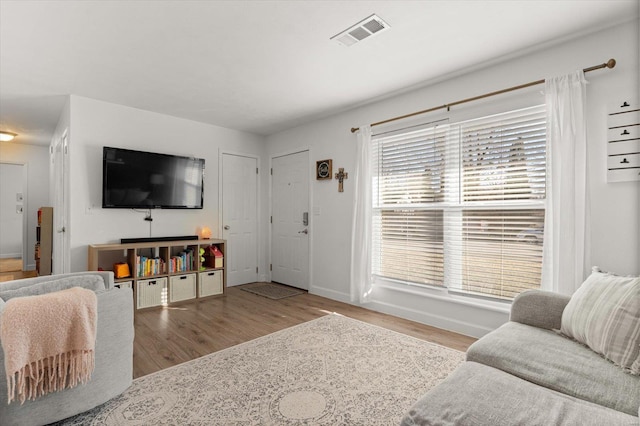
x: 147, y: 180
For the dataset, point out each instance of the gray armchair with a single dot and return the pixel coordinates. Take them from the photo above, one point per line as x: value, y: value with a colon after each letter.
x: 113, y: 353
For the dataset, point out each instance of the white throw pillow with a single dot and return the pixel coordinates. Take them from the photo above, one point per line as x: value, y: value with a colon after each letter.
x: 604, y: 314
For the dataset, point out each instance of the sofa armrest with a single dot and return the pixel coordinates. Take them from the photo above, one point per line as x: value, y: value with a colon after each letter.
x: 538, y: 308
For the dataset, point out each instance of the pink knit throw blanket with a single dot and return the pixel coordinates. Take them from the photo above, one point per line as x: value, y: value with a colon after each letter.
x: 48, y: 342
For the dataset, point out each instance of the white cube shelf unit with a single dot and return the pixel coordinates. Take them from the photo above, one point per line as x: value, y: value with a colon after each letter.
x: 164, y: 272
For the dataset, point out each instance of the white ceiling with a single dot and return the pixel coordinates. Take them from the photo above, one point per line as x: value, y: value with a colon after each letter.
x: 259, y: 66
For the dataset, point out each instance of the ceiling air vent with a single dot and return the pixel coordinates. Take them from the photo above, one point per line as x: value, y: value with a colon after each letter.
x: 363, y: 29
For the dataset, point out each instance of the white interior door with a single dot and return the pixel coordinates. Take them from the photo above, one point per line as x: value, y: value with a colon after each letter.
x: 240, y: 217
x: 61, y: 262
x: 11, y: 211
x: 290, y: 219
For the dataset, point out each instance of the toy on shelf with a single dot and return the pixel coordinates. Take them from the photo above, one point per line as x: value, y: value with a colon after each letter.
x: 214, y: 257
x: 202, y: 259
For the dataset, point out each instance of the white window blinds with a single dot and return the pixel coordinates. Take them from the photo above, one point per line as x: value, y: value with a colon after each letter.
x: 409, y: 184
x: 503, y: 157
x: 462, y: 205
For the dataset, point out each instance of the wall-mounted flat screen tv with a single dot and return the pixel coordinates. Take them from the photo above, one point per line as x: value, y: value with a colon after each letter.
x: 148, y: 180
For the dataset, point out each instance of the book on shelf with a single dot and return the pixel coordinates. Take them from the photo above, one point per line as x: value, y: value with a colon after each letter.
x: 146, y: 267
x: 182, y: 262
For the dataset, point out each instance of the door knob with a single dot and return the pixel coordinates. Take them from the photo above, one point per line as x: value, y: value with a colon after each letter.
x: 304, y: 231
x: 227, y: 227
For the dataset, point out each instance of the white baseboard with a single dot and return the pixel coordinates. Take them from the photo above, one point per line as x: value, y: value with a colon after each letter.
x: 11, y: 256
x: 444, y: 323
x: 331, y: 294
x: 451, y: 323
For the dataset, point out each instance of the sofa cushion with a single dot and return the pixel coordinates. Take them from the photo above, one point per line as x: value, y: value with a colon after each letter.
x: 604, y: 314
x: 475, y: 394
x: 549, y: 359
x: 89, y: 281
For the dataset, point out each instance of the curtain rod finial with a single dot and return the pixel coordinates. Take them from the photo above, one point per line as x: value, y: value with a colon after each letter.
x: 611, y: 63
x: 354, y: 129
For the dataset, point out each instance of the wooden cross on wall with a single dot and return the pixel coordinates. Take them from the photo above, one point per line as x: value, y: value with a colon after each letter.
x: 341, y: 176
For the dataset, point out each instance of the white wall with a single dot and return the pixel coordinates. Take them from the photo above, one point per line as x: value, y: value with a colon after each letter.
x: 94, y: 124
x: 615, y: 207
x: 36, y: 161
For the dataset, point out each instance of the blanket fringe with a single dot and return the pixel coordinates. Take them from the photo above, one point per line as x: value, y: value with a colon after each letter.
x: 55, y: 373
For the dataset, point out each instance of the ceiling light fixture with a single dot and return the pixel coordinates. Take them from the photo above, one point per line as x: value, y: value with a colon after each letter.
x: 367, y: 27
x: 7, y: 136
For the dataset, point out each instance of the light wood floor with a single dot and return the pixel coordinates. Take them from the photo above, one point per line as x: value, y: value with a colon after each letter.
x: 11, y: 269
x: 172, y: 335
x: 10, y: 264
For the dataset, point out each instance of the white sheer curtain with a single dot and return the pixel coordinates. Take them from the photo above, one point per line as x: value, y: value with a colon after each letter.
x: 361, y: 279
x: 566, y: 242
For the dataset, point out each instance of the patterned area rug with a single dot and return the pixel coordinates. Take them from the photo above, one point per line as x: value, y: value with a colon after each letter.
x: 329, y: 371
x: 272, y: 291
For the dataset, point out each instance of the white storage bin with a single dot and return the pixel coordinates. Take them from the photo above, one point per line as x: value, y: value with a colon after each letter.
x: 152, y: 292
x: 124, y: 284
x: 210, y: 283
x: 182, y: 287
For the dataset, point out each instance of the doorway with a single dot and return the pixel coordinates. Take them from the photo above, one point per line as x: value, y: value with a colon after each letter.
x: 12, y: 224
x: 61, y: 262
x: 290, y: 220
x: 239, y: 177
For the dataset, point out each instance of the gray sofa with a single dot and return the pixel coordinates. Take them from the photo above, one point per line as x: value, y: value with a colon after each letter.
x: 113, y: 353
x: 525, y: 373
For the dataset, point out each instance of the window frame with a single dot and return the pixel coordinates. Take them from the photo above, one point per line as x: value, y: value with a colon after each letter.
x: 453, y: 202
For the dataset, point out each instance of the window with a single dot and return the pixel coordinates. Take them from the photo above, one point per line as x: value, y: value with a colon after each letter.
x: 462, y: 205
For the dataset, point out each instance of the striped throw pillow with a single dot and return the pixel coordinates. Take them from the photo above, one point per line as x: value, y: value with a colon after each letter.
x: 604, y: 314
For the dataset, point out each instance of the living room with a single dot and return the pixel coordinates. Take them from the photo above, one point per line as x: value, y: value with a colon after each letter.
x: 89, y: 124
